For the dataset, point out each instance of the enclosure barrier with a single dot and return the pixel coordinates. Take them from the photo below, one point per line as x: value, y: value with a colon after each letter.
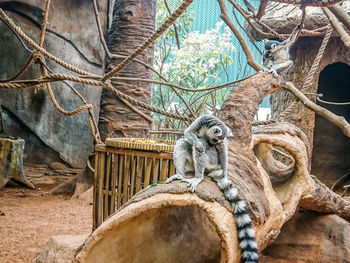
x: 122, y: 172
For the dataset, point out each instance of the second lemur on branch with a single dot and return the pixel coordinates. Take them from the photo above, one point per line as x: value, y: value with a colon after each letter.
x: 276, y: 59
x: 203, y: 150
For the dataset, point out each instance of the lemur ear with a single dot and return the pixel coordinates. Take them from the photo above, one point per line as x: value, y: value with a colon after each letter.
x: 230, y: 133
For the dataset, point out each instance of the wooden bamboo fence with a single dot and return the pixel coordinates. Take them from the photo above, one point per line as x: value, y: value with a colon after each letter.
x: 120, y: 173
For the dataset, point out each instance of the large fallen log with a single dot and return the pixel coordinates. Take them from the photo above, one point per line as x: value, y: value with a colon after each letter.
x: 168, y: 223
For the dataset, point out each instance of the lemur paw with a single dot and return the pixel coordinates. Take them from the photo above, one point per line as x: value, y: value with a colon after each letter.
x: 200, y: 147
x: 174, y: 177
x: 192, y: 183
x: 272, y: 71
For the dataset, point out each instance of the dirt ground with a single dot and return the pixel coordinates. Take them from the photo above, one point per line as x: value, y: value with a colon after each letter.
x: 29, y: 218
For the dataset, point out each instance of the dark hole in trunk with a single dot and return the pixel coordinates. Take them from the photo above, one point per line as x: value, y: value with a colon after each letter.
x: 331, y: 151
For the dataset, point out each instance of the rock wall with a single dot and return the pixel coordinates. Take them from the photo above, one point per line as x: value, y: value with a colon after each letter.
x: 71, y: 28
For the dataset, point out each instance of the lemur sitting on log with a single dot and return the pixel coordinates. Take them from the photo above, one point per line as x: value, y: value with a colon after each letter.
x: 204, y: 150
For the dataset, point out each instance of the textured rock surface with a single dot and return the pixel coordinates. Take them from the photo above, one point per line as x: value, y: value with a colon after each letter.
x: 311, y: 237
x: 60, y: 249
x: 59, y: 136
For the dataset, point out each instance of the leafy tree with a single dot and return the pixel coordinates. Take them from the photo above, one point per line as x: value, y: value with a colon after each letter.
x: 193, y: 60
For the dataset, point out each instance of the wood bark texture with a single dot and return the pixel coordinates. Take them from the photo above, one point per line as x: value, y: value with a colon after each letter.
x: 133, y: 22
x: 326, y: 201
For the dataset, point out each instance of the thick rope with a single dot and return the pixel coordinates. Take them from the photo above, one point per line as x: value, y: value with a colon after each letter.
x: 44, y: 23
x: 145, y: 116
x: 311, y: 74
x: 68, y: 113
x: 93, y: 125
x: 39, y: 58
x: 149, y: 41
x: 27, y: 39
x: 136, y: 102
x: 91, y: 81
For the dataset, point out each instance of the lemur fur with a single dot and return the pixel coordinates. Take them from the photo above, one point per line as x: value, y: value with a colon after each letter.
x: 276, y: 58
x: 203, y: 150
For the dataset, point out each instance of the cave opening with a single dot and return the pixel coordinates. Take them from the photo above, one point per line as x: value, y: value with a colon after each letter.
x: 331, y: 148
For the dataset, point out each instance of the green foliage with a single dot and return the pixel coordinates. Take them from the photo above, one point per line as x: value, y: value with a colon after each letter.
x: 201, y: 61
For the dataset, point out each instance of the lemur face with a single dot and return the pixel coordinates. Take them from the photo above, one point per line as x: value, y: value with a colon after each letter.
x: 270, y: 45
x: 215, y: 134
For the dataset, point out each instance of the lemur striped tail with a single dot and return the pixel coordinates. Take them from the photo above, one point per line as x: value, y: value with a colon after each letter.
x: 246, y: 232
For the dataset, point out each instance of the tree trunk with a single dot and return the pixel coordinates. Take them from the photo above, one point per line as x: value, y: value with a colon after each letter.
x: 11, y: 162
x: 133, y: 22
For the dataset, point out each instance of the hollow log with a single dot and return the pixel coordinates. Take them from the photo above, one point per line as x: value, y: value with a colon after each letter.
x: 168, y: 223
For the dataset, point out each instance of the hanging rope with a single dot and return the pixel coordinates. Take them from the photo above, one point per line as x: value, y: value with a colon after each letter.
x: 27, y: 39
x: 136, y: 102
x: 311, y: 74
x: 37, y: 57
x: 149, y: 41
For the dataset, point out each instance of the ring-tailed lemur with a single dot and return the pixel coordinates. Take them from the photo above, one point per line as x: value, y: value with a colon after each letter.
x: 204, y: 150
x: 276, y: 58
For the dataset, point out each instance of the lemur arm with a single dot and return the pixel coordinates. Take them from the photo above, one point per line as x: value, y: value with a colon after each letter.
x: 191, y: 134
x: 221, y: 147
x: 292, y: 37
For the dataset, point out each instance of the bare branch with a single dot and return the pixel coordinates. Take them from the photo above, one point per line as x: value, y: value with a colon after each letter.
x: 262, y: 7
x: 250, y: 7
x: 337, y: 26
x: 324, y: 200
x: 339, y: 121
x: 248, y: 18
x: 175, y: 27
x: 341, y: 14
x: 225, y: 17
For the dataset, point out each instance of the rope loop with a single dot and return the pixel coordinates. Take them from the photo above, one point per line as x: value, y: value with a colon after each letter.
x: 38, y: 57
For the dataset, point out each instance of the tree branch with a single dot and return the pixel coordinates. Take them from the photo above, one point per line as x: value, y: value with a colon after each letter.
x: 341, y: 14
x: 224, y: 16
x: 337, y: 26
x: 324, y: 200
x: 339, y: 121
x: 262, y: 7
